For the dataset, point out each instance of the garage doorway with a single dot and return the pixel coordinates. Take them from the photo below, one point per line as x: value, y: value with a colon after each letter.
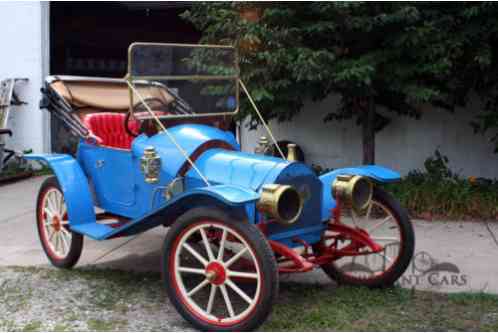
x: 92, y: 39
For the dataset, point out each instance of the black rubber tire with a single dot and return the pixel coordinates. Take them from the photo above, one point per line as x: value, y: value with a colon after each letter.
x: 261, y: 248
x: 76, y: 246
x: 406, y: 254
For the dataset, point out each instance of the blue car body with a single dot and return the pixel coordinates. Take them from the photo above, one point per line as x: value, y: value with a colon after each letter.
x: 111, y: 179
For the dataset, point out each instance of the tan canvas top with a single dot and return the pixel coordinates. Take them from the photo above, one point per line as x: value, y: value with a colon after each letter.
x: 108, y: 94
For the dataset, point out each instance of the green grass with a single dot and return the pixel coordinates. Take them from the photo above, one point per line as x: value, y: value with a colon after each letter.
x: 304, y: 308
x: 34, y: 326
x: 300, y: 307
x: 105, y: 325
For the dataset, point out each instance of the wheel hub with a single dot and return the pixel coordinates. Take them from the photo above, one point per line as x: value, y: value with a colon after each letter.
x: 215, y: 273
x: 56, y: 223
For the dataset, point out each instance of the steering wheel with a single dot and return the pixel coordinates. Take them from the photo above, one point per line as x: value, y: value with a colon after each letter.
x: 144, y: 125
x: 127, y: 125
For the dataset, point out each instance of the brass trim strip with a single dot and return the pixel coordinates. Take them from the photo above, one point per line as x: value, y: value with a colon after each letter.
x: 217, y: 46
x: 185, y: 77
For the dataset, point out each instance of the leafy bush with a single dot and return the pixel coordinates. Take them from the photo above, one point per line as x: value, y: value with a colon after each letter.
x: 439, y: 193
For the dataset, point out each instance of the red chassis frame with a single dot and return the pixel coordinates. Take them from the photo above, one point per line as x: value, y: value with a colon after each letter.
x: 296, y: 263
x: 291, y: 261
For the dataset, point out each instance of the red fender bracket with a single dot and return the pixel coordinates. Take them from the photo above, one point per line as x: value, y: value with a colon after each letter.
x: 300, y: 264
x: 358, y: 235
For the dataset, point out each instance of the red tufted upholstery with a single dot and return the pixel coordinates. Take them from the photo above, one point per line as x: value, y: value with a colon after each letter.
x: 108, y: 128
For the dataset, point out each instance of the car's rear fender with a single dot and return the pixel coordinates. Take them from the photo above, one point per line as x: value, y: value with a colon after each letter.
x: 74, y: 185
x: 376, y: 173
x: 238, y: 201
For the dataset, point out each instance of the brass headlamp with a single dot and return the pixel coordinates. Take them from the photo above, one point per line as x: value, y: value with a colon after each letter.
x: 150, y: 165
x: 282, y: 202
x: 353, y: 191
x: 263, y: 146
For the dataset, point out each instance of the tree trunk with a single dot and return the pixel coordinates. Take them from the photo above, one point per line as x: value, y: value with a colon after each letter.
x: 368, y: 133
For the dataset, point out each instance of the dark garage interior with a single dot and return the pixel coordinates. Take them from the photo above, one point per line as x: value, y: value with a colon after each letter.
x: 92, y: 39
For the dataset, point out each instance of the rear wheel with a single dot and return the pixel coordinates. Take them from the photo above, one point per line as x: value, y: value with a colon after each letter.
x: 219, y: 273
x: 387, y: 223
x: 62, y: 246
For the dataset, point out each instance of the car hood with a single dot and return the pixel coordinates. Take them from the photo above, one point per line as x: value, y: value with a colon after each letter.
x: 250, y: 171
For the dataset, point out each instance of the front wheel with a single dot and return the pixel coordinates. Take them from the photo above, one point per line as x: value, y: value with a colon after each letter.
x: 62, y: 246
x: 388, y: 224
x: 220, y: 273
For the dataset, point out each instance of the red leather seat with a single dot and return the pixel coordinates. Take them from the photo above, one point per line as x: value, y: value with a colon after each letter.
x: 108, y: 129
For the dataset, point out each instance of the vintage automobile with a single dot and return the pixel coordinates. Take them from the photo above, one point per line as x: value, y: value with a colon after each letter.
x: 155, y: 150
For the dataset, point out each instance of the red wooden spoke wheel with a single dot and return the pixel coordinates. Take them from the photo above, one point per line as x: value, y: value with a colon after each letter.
x: 219, y: 273
x: 388, y: 225
x: 61, y: 245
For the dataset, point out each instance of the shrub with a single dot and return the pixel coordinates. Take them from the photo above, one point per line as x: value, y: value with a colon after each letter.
x: 437, y: 192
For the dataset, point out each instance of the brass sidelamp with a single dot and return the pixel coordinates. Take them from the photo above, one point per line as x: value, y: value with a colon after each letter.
x: 150, y: 165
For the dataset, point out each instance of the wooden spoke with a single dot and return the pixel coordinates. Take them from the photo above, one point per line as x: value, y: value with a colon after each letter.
x: 228, y: 303
x: 212, y: 295
x: 65, y: 232
x: 195, y: 254
x: 239, y: 292
x: 57, y: 242
x: 353, y: 218
x: 209, y: 251
x: 64, y: 241
x: 386, y: 239
x: 52, y: 234
x: 61, y: 205
x: 192, y: 270
x: 221, y: 251
x: 380, y: 224
x: 201, y: 285
x: 369, y: 210
x: 49, y: 212
x: 243, y: 275
x: 51, y: 203
x: 236, y: 257
x: 386, y: 257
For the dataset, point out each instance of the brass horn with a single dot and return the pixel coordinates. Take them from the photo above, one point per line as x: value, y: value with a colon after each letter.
x: 282, y: 202
x: 354, y: 191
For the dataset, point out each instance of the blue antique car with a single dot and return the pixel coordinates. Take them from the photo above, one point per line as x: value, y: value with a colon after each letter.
x: 155, y: 149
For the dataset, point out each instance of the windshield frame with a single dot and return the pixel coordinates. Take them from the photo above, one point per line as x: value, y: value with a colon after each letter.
x: 235, y: 78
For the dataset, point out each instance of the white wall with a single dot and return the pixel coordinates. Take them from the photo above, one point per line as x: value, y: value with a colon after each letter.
x: 23, y: 53
x: 403, y: 145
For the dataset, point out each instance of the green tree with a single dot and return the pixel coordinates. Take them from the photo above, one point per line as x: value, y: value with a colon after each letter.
x: 399, y: 57
x: 481, y: 72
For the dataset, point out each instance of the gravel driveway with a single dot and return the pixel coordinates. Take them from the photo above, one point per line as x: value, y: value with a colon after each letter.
x: 44, y: 299
x: 84, y: 300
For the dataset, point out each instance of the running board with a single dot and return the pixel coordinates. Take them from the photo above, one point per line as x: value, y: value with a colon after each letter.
x: 95, y: 231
